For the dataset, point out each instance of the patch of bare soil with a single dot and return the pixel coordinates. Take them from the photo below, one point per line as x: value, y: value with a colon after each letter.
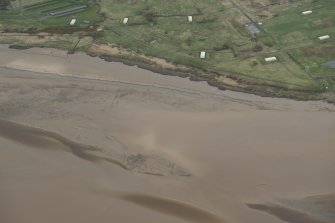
x: 114, y: 50
x: 28, y: 39
x: 132, y: 2
x: 323, y: 23
x: 228, y: 81
x: 321, y: 51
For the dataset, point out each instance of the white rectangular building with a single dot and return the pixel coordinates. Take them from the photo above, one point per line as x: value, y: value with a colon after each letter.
x: 190, y: 18
x: 72, y: 22
x: 324, y: 37
x: 125, y: 20
x: 202, y: 54
x: 270, y: 59
x: 307, y: 12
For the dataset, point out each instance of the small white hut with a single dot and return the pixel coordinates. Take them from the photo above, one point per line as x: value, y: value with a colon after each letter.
x: 202, y: 55
x: 307, y: 12
x: 72, y: 22
x: 125, y: 20
x: 270, y: 59
x: 324, y: 37
x: 189, y: 18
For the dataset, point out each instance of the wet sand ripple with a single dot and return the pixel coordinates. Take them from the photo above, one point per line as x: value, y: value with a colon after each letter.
x: 172, y: 207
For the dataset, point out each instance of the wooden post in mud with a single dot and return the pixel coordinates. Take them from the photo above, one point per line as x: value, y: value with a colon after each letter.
x: 73, y: 50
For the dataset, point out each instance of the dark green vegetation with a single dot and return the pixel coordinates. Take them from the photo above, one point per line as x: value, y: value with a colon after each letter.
x: 160, y: 28
x: 4, y: 4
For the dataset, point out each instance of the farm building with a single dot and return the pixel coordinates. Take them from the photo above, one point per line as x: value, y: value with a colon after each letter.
x: 307, y: 12
x: 190, y: 18
x: 252, y: 28
x: 125, y: 20
x: 270, y: 59
x: 67, y: 11
x: 72, y: 22
x: 202, y: 54
x: 324, y: 37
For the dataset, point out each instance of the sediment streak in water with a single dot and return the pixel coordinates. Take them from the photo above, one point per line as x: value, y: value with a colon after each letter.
x: 39, y: 138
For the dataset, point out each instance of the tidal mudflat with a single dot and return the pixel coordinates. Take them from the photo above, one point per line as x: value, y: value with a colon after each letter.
x: 83, y: 140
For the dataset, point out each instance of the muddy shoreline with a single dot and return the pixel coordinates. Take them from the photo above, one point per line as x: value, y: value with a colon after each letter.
x: 264, y: 92
x: 252, y: 87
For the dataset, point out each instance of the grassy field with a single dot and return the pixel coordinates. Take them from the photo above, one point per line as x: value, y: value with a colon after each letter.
x: 160, y: 28
x: 217, y: 29
x: 299, y: 35
x: 32, y: 14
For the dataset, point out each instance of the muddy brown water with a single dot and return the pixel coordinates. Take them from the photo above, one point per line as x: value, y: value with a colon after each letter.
x: 60, y: 120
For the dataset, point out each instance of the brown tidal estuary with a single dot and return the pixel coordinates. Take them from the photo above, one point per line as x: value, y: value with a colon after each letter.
x: 82, y: 140
x: 38, y: 138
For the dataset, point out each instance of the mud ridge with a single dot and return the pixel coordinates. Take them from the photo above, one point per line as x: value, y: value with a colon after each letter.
x: 285, y: 214
x: 39, y: 138
x: 171, y: 207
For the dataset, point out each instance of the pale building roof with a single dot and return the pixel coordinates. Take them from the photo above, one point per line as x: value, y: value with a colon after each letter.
x: 125, y: 20
x: 269, y: 59
x: 324, y: 37
x: 72, y: 22
x: 307, y: 12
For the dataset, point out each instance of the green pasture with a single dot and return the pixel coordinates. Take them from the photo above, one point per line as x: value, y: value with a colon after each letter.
x: 167, y: 34
x: 160, y: 28
x: 290, y: 27
x: 33, y: 15
x: 296, y: 32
